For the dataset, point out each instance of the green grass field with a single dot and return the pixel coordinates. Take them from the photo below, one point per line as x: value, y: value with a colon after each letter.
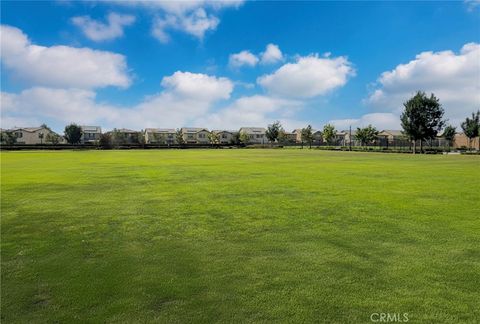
x: 238, y: 236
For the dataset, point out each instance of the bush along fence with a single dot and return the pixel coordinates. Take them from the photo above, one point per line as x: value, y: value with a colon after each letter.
x: 390, y: 146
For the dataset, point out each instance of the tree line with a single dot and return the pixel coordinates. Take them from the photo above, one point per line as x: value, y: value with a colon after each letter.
x: 422, y: 119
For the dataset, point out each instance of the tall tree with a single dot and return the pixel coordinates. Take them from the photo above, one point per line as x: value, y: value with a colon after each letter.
x: 422, y: 118
x: 328, y: 133
x: 52, y: 138
x: 449, y: 134
x: 471, y: 127
x: 244, y: 137
x: 366, y: 135
x: 41, y: 136
x: 179, y: 137
x: 73, y: 133
x: 307, y: 136
x: 105, y: 141
x: 213, y: 138
x: 273, y: 131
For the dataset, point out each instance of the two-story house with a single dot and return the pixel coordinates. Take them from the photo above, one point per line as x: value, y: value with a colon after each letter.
x: 90, y: 134
x: 256, y: 135
x: 195, y: 135
x: 160, y: 136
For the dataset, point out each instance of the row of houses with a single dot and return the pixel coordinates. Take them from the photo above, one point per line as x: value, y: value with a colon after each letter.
x: 192, y: 135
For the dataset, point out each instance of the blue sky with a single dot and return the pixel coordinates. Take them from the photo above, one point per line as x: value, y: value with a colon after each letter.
x: 173, y: 64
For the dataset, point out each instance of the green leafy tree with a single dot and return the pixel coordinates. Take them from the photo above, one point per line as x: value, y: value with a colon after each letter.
x: 8, y: 138
x: 213, y: 138
x: 105, y: 141
x: 41, y: 136
x: 73, y: 133
x: 328, y: 134
x: 366, y: 135
x: 244, y: 138
x: 273, y: 131
x: 179, y: 137
x: 52, y: 138
x: 118, y: 138
x: 307, y: 136
x: 235, y: 138
x: 159, y: 138
x: 449, y: 134
x: 422, y: 118
x: 471, y: 127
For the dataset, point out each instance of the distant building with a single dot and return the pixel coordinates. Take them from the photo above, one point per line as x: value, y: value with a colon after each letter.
x: 225, y: 136
x: 461, y: 140
x: 124, y: 136
x: 90, y: 134
x: 195, y: 135
x: 160, y: 136
x: 392, y: 135
x: 30, y: 135
x: 255, y: 134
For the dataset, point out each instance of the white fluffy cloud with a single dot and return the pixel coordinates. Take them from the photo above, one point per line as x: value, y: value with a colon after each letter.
x: 254, y: 110
x: 272, y: 54
x: 192, y: 17
x: 185, y: 98
x: 453, y: 78
x: 379, y: 120
x: 308, y: 77
x: 98, y: 31
x: 243, y: 58
x: 196, y: 23
x: 60, y: 66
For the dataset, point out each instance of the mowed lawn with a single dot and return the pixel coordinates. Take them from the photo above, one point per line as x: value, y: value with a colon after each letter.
x: 181, y: 236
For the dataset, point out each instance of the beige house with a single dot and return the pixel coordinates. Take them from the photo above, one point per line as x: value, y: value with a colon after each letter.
x: 193, y: 135
x: 225, y: 136
x: 124, y: 136
x: 90, y: 134
x: 160, y: 136
x: 391, y: 135
x: 462, y: 141
x: 255, y: 134
x: 31, y: 135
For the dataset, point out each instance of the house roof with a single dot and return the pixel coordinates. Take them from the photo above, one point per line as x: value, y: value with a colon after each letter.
x: 253, y: 129
x: 391, y: 132
x: 96, y: 129
x: 126, y: 130
x: 27, y: 129
x: 160, y: 130
x: 218, y: 131
x: 193, y: 129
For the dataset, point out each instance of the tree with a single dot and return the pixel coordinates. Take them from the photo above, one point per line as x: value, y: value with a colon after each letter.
x: 471, y: 127
x: 118, y: 138
x: 213, y: 138
x: 273, y: 131
x: 105, y: 141
x: 366, y: 135
x: 179, y: 137
x: 449, y: 134
x: 328, y: 133
x: 235, y: 138
x: 422, y: 118
x: 8, y: 138
x: 52, y: 138
x: 244, y: 137
x: 159, y: 138
x: 73, y: 133
x: 41, y: 136
x: 307, y: 136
